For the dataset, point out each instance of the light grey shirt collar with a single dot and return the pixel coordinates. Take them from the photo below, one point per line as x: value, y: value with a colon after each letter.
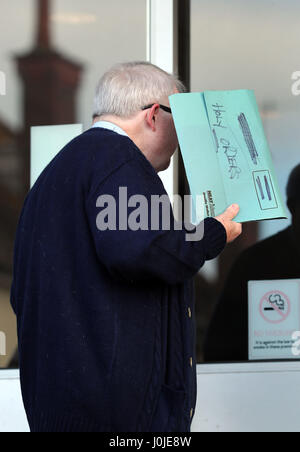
x: 110, y: 126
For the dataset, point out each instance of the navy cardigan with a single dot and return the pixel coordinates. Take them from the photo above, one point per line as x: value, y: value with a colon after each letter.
x: 105, y: 318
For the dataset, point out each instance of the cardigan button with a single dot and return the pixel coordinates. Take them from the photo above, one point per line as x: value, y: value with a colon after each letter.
x: 191, y: 362
x: 189, y: 312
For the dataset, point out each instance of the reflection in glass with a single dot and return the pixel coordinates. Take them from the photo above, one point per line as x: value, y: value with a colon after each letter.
x: 52, y: 54
x: 233, y: 47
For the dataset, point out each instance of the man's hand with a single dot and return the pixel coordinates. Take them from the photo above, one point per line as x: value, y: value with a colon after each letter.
x: 233, y: 229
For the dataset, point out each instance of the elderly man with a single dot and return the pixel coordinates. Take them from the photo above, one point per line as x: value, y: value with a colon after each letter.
x: 105, y: 315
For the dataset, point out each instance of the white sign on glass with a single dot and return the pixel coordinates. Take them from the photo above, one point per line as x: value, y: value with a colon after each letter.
x: 274, y: 317
x: 46, y: 142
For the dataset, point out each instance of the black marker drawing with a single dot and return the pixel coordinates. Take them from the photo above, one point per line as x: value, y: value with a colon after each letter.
x: 216, y: 139
x: 268, y: 188
x: 260, y: 187
x: 263, y: 185
x: 248, y: 137
x: 277, y: 300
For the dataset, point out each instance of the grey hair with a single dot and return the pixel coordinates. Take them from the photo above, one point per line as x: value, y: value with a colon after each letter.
x: 127, y: 87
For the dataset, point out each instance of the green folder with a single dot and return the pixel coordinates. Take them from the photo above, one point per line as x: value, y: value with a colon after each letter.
x: 226, y: 155
x: 46, y: 142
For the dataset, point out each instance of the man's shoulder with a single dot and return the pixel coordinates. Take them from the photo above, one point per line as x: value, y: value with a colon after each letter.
x: 98, y: 143
x: 95, y: 153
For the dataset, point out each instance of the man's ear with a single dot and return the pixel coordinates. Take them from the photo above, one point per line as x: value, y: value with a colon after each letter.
x: 151, y: 116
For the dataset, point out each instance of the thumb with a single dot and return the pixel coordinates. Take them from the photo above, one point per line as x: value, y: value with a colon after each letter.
x: 232, y: 211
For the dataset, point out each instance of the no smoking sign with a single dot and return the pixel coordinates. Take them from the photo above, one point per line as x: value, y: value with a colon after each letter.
x: 275, y: 307
x: 274, y: 315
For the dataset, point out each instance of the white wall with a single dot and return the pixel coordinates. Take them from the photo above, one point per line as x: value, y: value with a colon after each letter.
x: 12, y: 414
x: 249, y: 397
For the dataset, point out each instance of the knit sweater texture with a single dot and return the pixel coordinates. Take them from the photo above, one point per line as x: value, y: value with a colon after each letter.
x: 105, y: 318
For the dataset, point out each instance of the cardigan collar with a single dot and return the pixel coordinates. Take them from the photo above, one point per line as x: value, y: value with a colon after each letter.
x: 110, y: 126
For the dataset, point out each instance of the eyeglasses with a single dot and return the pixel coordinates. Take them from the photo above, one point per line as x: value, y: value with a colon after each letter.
x: 163, y: 107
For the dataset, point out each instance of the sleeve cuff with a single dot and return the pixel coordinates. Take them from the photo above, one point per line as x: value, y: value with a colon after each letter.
x: 215, y: 238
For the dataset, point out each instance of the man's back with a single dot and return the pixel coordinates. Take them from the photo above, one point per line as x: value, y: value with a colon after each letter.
x: 71, y: 312
x: 106, y: 335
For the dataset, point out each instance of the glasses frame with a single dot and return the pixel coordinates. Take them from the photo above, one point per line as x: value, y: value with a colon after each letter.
x: 163, y: 107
